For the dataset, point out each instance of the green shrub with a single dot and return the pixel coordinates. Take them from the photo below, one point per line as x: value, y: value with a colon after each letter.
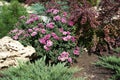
x: 112, y: 63
x: 39, y: 71
x: 9, y: 16
x: 0, y: 8
x: 94, y: 2
x: 37, y: 8
x: 117, y: 50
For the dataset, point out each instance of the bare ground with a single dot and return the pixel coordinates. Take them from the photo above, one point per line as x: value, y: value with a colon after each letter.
x: 89, y: 70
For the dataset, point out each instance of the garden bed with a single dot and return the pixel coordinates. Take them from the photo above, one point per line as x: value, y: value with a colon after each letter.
x: 60, y: 34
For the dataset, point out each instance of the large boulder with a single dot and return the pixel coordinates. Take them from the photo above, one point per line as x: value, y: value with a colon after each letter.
x: 12, y: 51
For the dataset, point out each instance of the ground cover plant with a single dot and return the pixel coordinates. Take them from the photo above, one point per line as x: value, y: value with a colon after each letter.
x: 39, y: 71
x: 69, y: 24
x: 9, y: 15
x: 117, y: 50
x: 112, y: 63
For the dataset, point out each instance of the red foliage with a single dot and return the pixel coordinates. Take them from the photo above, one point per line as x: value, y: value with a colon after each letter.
x: 83, y: 12
x: 108, y: 9
x: 31, y: 1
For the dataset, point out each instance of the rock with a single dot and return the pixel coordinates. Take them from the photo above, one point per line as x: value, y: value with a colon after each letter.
x: 45, y: 19
x: 12, y: 51
x: 4, y: 3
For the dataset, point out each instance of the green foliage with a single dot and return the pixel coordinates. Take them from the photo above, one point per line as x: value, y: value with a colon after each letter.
x: 39, y: 71
x: 111, y: 62
x: 117, y: 50
x: 9, y: 16
x: 64, y: 5
x: 0, y: 8
x: 37, y: 8
x: 94, y: 2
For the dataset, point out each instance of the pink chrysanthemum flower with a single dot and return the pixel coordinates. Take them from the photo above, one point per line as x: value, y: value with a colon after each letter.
x: 33, y: 33
x: 49, y: 43
x: 57, y: 18
x: 50, y: 25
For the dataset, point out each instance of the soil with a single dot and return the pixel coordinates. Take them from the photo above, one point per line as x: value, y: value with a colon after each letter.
x: 89, y: 70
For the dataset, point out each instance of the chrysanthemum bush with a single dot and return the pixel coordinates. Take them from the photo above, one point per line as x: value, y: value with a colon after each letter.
x: 54, y: 39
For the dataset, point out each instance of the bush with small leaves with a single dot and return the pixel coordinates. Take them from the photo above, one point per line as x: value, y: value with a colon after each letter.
x: 40, y: 71
x: 112, y: 63
x: 9, y: 15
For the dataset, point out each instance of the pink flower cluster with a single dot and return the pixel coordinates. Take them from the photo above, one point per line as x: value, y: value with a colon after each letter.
x: 54, y: 11
x: 76, y: 51
x: 40, y: 25
x: 70, y: 23
x: 64, y: 32
x: 33, y: 31
x: 55, y: 36
x: 65, y: 56
x: 43, y: 31
x: 22, y: 17
x: 15, y: 30
x: 32, y: 19
x: 65, y: 14
x: 50, y: 25
x: 46, y: 41
x: 58, y: 18
x: 63, y: 20
x: 68, y: 36
x: 17, y: 33
x: 49, y: 43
